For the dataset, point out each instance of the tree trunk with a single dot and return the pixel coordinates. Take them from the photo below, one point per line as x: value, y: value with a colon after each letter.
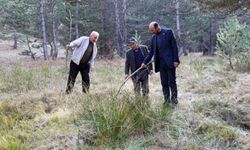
x: 15, y: 39
x: 42, y: 14
x: 51, y: 49
x: 124, y: 17
x: 31, y: 53
x: 107, y: 31
x: 70, y: 36
x: 211, y: 50
x: 137, y: 14
x: 177, y: 7
x: 15, y: 35
x: 54, y: 41
x: 118, y: 30
x: 230, y: 61
x: 77, y: 18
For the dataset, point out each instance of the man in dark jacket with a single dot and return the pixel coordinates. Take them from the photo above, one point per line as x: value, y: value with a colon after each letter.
x: 166, y: 59
x: 134, y: 60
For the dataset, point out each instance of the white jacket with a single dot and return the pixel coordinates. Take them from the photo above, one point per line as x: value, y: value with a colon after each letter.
x: 82, y: 44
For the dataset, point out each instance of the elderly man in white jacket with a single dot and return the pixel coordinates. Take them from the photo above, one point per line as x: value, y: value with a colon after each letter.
x: 82, y: 60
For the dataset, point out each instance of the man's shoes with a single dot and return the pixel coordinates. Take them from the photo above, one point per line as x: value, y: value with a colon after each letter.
x: 68, y: 92
x: 171, y: 105
x: 166, y: 104
x: 175, y: 101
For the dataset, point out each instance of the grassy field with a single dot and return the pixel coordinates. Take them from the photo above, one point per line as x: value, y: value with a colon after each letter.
x: 213, y: 110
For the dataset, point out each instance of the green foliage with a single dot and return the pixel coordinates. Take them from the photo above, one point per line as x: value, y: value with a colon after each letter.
x: 225, y: 5
x: 138, y: 38
x: 17, y: 14
x: 99, y: 15
x: 233, y: 43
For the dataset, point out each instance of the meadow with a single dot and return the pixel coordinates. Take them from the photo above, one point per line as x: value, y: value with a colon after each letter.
x: 35, y: 113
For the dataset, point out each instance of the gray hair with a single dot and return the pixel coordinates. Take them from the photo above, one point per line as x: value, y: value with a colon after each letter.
x: 95, y: 33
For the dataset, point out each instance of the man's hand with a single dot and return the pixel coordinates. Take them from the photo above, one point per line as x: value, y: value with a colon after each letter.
x: 68, y: 46
x: 143, y: 65
x: 176, y: 64
x: 151, y: 72
x: 91, y: 69
x: 126, y: 76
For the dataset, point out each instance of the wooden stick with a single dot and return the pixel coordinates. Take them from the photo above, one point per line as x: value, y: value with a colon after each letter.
x: 130, y: 77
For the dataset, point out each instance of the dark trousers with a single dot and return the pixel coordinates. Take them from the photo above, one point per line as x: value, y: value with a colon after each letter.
x: 140, y: 82
x: 74, y: 70
x: 168, y: 82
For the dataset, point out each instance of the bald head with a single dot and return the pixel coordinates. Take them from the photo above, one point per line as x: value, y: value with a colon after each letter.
x: 154, y: 27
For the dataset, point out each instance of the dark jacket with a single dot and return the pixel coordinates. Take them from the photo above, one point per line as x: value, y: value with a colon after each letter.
x: 169, y: 48
x: 130, y: 59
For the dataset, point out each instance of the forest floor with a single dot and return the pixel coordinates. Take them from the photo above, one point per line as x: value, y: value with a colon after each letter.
x: 213, y: 110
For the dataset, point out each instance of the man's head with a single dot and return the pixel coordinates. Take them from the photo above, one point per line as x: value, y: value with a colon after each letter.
x: 93, y: 37
x: 133, y: 43
x: 154, y: 27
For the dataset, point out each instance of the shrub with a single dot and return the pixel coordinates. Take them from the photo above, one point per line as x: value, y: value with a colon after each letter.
x: 233, y: 44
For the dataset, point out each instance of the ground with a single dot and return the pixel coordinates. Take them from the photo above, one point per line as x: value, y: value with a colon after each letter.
x: 213, y: 110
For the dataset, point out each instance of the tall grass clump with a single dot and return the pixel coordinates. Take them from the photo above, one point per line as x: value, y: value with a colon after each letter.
x: 220, y: 135
x: 201, y: 65
x: 233, y: 115
x: 10, y: 143
x: 114, y: 120
x: 17, y: 80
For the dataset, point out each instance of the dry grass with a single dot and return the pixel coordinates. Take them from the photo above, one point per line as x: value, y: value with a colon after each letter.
x: 213, y: 111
